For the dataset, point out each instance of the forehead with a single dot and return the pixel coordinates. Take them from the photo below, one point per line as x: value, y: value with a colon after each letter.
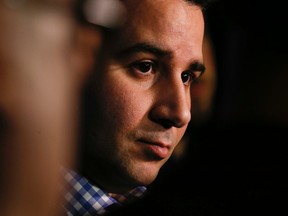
x: 170, y: 22
x: 170, y: 15
x: 161, y: 11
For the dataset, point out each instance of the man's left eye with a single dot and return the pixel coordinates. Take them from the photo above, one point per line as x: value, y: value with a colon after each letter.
x: 189, y: 77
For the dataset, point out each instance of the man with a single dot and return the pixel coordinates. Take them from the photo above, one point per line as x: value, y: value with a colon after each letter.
x: 138, y: 104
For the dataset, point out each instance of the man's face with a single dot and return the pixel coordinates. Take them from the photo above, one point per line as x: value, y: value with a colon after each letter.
x: 142, y: 97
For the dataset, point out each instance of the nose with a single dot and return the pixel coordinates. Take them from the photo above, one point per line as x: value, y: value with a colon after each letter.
x: 172, y: 107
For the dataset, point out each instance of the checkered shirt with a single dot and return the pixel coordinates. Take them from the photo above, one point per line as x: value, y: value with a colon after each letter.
x: 84, y: 199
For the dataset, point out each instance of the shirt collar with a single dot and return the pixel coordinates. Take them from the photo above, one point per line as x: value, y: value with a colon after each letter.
x: 132, y: 195
x: 84, y: 198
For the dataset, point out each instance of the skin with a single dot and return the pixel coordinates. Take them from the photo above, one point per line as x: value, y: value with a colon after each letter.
x: 142, y: 98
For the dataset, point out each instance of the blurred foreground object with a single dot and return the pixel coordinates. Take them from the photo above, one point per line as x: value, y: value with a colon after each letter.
x: 46, y: 54
x: 37, y: 104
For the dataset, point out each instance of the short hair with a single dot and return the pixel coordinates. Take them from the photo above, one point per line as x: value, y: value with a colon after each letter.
x: 202, y: 3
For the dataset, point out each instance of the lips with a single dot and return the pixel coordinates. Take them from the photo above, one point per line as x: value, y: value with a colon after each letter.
x: 157, y: 150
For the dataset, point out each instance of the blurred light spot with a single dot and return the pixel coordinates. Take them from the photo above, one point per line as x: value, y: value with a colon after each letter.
x: 107, y: 13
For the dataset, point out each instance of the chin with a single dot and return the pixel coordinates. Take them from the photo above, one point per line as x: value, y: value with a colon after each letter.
x: 145, y: 181
x: 146, y: 175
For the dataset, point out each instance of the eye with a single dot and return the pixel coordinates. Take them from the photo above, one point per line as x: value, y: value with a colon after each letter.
x: 190, y: 77
x: 143, y: 66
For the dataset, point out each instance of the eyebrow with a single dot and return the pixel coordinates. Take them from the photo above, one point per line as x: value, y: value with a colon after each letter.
x: 143, y: 47
x: 197, y: 66
x: 157, y: 51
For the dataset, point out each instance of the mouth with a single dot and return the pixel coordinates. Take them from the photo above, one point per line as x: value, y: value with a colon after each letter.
x: 155, y: 150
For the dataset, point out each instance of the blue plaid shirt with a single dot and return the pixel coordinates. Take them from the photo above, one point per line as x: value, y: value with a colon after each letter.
x: 84, y: 199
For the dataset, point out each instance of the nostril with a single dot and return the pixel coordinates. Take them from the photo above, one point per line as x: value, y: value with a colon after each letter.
x: 166, y: 123
x: 173, y: 121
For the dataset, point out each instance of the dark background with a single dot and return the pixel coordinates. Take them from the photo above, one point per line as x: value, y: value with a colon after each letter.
x: 251, y: 47
x: 251, y: 104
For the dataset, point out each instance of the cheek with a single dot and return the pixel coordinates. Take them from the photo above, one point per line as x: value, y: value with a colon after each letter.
x: 125, y: 105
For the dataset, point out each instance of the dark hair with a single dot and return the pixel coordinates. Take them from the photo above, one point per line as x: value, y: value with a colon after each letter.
x: 202, y: 3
